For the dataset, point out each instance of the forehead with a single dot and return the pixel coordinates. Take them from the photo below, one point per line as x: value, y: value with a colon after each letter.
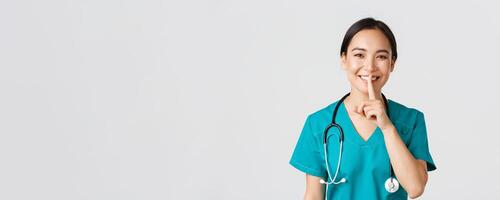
x: 370, y: 39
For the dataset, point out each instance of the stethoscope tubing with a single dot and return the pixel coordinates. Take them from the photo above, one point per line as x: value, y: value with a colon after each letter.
x: 390, y: 185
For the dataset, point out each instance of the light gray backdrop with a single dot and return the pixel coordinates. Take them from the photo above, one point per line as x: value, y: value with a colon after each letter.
x: 199, y: 99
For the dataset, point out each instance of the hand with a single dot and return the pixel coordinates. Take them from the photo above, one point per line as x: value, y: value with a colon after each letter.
x: 374, y: 109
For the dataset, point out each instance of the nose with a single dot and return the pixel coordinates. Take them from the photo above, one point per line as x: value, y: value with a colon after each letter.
x: 370, y: 65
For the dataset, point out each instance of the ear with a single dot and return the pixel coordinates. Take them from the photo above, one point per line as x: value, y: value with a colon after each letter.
x: 393, y: 62
x: 343, y: 61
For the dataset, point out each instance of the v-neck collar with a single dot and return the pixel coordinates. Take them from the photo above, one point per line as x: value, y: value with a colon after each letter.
x: 350, y: 132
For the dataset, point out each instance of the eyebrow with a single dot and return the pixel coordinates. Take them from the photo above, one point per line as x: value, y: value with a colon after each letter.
x: 362, y: 49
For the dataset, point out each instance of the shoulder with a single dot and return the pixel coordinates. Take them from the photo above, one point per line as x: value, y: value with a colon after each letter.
x: 403, y: 116
x: 321, y: 118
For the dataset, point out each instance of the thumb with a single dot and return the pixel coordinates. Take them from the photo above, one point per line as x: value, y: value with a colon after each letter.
x: 359, y: 110
x: 354, y: 110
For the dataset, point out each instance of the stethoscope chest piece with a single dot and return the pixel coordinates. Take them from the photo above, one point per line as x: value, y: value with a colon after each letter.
x: 391, y: 185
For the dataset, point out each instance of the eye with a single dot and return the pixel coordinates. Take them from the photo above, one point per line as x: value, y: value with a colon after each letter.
x: 383, y: 57
x: 359, y: 55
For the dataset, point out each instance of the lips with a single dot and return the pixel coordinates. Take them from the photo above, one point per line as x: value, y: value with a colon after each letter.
x: 366, y: 77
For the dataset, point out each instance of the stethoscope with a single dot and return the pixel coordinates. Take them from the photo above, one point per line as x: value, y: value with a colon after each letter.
x: 391, y: 184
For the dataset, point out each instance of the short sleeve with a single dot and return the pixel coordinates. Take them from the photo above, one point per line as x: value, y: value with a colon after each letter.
x: 308, y: 154
x: 419, y: 145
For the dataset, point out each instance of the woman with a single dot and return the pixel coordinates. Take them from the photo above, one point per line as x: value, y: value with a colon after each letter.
x: 382, y: 151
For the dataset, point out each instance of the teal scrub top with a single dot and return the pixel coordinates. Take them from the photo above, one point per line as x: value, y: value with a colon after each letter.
x: 365, y: 164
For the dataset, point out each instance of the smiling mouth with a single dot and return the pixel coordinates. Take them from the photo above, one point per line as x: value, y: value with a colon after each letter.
x: 366, y: 78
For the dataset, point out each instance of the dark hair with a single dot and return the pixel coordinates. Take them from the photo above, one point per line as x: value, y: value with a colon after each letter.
x: 369, y: 23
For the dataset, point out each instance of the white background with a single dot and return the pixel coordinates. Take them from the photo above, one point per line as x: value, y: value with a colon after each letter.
x: 206, y: 99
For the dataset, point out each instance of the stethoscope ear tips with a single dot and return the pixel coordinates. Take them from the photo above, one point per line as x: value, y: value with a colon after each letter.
x: 343, y: 180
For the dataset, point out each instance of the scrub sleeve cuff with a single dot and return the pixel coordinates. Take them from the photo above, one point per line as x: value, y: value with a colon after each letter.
x: 306, y: 169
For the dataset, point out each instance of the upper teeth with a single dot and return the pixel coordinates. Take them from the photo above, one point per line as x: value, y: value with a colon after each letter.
x: 366, y: 77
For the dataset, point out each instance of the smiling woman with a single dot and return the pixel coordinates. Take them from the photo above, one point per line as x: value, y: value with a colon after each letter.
x: 381, y: 143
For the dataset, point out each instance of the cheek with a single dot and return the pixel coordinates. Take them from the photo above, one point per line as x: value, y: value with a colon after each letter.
x: 353, y: 66
x: 384, y: 63
x: 356, y: 62
x: 384, y: 67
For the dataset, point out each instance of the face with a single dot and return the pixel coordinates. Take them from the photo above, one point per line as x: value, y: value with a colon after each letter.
x: 369, y: 53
